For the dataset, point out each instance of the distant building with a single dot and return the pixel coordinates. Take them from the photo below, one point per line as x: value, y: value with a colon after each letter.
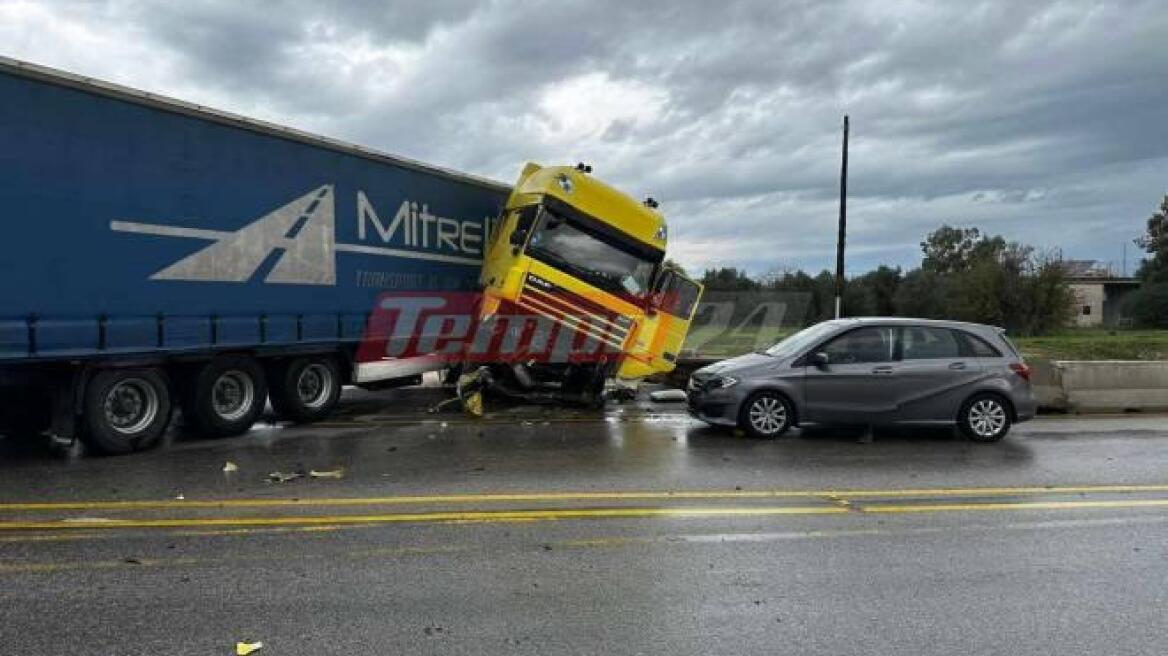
x: 1099, y: 293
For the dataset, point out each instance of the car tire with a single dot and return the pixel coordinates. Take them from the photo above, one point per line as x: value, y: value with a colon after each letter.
x: 226, y: 396
x: 985, y: 418
x: 765, y: 414
x: 306, y: 389
x: 125, y: 410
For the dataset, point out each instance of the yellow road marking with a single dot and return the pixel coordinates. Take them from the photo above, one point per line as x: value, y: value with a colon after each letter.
x: 644, y: 495
x: 505, y: 516
x: 1018, y: 505
x: 252, y: 531
x: 453, y: 516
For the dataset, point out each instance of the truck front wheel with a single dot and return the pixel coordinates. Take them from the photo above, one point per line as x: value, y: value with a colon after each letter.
x: 306, y: 389
x: 125, y: 410
x: 226, y: 396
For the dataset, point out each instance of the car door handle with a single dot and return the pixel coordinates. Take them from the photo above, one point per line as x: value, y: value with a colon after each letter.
x: 957, y: 365
x: 882, y: 370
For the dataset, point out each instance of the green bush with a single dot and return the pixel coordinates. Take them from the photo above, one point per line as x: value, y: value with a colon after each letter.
x: 1148, y: 306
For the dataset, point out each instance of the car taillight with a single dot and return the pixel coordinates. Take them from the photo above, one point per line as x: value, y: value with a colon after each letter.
x: 1021, y: 369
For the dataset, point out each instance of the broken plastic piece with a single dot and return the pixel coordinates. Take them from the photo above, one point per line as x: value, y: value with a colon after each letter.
x: 668, y: 396
x: 283, y: 477
x: 245, y: 648
x: 335, y: 473
x: 230, y: 467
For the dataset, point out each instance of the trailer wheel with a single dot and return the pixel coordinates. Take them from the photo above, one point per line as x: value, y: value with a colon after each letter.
x: 306, y: 389
x: 125, y: 410
x: 226, y: 397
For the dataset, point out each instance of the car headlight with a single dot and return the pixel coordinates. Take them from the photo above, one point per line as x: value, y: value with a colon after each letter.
x: 722, y: 382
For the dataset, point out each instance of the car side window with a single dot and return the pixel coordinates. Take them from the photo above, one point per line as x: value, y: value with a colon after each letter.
x: 860, y: 346
x: 926, y: 343
x: 976, y: 347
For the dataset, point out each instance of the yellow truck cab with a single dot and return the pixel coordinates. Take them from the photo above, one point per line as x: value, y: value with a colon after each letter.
x: 584, y: 255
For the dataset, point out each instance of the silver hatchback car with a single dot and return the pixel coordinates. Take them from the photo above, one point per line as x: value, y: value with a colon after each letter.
x: 873, y: 371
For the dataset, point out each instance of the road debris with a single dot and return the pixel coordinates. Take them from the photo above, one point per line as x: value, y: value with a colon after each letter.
x: 339, y: 472
x: 284, y: 477
x: 230, y: 467
x: 245, y: 648
x: 668, y: 396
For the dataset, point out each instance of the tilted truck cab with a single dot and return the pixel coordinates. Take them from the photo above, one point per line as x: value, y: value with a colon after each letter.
x: 581, y: 254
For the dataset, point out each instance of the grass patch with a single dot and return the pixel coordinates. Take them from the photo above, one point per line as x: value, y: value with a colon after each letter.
x: 1097, y: 344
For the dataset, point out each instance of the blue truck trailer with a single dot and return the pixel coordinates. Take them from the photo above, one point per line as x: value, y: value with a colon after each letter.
x: 157, y: 254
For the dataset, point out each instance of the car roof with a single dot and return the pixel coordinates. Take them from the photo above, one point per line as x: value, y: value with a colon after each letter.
x: 902, y: 321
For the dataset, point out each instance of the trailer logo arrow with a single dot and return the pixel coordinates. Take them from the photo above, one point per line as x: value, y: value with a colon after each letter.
x: 300, y: 237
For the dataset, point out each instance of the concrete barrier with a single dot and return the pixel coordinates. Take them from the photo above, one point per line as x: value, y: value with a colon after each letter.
x: 1101, y: 385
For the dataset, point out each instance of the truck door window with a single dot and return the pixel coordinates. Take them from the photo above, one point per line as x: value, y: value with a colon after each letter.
x: 676, y: 295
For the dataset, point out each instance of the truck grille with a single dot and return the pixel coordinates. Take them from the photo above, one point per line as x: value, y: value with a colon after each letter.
x: 574, y: 311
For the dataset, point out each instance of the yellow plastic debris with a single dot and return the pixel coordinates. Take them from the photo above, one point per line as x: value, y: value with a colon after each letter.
x: 473, y: 404
x: 245, y: 648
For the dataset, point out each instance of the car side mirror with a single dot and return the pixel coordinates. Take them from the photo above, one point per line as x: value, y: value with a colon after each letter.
x: 820, y: 360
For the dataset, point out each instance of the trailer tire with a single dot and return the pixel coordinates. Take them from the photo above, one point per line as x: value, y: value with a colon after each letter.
x: 125, y: 410
x: 226, y: 396
x: 306, y: 389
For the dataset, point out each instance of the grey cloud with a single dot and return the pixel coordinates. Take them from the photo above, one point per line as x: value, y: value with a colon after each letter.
x: 1040, y: 120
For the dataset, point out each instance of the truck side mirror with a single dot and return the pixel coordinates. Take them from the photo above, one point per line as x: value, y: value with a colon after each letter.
x: 518, y: 237
x: 820, y: 360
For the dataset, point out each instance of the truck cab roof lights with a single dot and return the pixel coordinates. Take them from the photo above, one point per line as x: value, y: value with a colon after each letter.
x: 584, y: 168
x: 651, y: 202
x: 566, y: 183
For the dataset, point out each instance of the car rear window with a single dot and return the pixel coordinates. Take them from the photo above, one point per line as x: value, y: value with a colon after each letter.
x: 975, y: 347
x: 1014, y: 349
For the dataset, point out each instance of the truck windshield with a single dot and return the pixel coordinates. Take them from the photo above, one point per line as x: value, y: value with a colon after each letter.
x: 594, y: 258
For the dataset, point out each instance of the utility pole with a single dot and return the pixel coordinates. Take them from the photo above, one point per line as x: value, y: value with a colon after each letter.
x: 843, y: 226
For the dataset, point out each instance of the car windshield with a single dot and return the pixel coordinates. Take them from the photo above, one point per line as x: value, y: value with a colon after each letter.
x: 594, y: 258
x: 801, y: 340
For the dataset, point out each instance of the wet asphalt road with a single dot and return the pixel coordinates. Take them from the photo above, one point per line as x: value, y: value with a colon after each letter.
x: 631, y: 531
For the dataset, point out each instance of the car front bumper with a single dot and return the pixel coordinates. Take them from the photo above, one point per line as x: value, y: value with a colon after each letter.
x: 720, y: 410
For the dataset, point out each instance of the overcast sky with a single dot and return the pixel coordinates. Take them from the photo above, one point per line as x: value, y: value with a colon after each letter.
x: 1041, y: 121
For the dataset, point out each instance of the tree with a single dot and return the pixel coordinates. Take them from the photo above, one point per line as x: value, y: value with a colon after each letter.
x: 969, y: 276
x: 728, y: 279
x: 1155, y: 242
x: 670, y: 264
x: 879, y: 289
x: 1148, y: 306
x: 1048, y: 302
x: 923, y: 294
x: 949, y: 250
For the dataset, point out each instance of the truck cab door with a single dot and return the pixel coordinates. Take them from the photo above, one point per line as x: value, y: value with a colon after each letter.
x: 675, y: 299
